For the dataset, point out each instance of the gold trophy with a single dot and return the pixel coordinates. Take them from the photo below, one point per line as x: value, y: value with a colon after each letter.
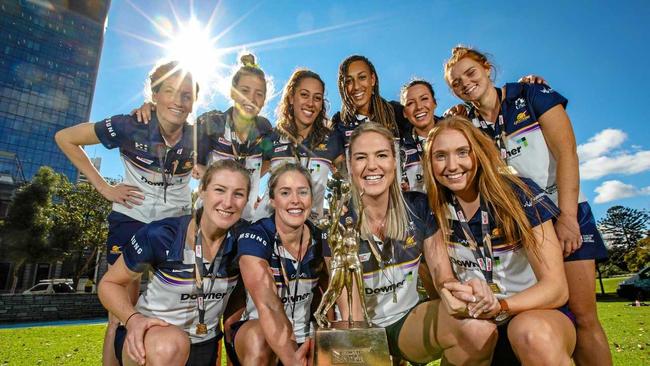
x: 346, y: 342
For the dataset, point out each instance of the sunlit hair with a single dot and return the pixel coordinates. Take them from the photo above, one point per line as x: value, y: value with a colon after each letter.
x: 396, y: 218
x: 248, y: 67
x: 166, y: 69
x: 414, y: 82
x: 494, y: 183
x: 380, y: 110
x: 225, y: 164
x: 460, y: 52
x: 286, y: 167
x: 286, y: 120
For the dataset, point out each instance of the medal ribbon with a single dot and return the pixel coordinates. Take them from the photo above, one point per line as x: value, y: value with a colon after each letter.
x: 285, y: 275
x: 200, y: 271
x: 496, y: 131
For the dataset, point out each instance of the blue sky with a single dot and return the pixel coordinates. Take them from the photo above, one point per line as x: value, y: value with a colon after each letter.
x: 594, y: 53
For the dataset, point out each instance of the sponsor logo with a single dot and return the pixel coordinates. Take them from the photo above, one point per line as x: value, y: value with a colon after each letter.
x: 253, y: 237
x: 385, y: 289
x: 465, y: 263
x: 142, y: 147
x: 521, y: 117
x: 520, y: 103
x: 208, y: 296
x: 155, y: 184
x: 146, y: 161
x: 224, y: 141
x: 514, y: 152
x: 296, y: 298
x: 135, y: 245
x: 109, y: 126
x: 281, y: 148
x: 547, y: 90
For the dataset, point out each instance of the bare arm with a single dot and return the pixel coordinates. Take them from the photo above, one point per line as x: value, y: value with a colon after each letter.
x: 277, y: 329
x: 561, y: 141
x: 70, y: 141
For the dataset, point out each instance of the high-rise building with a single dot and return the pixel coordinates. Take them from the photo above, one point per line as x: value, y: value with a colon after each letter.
x: 49, y: 56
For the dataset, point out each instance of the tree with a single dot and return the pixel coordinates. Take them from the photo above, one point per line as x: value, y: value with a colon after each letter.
x: 623, y: 228
x: 639, y: 257
x: 26, y: 228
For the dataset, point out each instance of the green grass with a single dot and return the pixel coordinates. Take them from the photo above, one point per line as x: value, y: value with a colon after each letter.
x: 626, y: 327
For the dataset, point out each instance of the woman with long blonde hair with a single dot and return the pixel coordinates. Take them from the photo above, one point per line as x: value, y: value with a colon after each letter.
x: 498, y: 229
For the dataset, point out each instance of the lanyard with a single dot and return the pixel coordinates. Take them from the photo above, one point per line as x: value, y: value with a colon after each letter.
x: 240, y: 150
x: 496, y: 131
x: 483, y: 258
x: 163, y: 150
x: 374, y: 248
x: 199, y: 272
x: 285, y: 276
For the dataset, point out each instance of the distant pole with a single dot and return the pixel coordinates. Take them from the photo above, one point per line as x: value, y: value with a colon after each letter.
x: 600, y: 279
x: 99, y: 256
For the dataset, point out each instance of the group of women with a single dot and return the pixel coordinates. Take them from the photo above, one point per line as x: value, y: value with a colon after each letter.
x: 489, y: 198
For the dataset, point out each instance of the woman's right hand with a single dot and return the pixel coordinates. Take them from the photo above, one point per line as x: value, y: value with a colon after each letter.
x: 124, y: 194
x: 303, y: 354
x: 454, y: 306
x: 143, y: 114
x: 137, y: 327
x: 457, y: 110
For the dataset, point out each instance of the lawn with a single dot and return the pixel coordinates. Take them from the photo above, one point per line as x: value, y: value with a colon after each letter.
x: 626, y: 327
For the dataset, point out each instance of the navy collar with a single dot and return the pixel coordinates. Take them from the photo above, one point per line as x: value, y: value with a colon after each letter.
x: 156, y: 138
x: 312, y: 253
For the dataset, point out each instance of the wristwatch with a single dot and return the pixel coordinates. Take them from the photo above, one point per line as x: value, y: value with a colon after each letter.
x: 504, y: 314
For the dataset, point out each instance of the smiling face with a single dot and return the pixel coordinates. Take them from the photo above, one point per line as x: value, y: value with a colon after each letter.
x: 174, y: 99
x: 307, y: 102
x: 359, y: 84
x: 419, y: 106
x: 469, y: 79
x: 224, y: 198
x: 292, y: 199
x: 249, y: 95
x: 452, y: 161
x: 372, y: 163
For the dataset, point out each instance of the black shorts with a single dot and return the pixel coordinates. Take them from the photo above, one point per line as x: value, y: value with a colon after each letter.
x: 201, y: 354
x: 593, y: 246
x: 230, y: 346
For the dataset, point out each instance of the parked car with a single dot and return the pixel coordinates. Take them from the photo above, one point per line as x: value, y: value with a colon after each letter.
x: 636, y: 287
x: 55, y: 286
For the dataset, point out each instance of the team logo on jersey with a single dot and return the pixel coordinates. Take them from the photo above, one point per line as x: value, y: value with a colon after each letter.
x: 321, y: 147
x: 187, y: 165
x: 521, y: 117
x: 281, y: 148
x: 223, y: 141
x: 364, y: 257
x: 547, y: 90
x: 520, y: 103
x: 144, y: 160
x: 115, y: 250
x: 409, y: 242
x: 496, y: 232
x: 142, y: 147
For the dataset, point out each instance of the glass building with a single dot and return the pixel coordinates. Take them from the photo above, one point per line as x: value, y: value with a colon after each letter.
x: 49, y: 56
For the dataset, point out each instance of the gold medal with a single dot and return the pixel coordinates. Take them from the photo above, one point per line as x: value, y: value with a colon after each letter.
x: 495, y: 288
x: 201, y: 329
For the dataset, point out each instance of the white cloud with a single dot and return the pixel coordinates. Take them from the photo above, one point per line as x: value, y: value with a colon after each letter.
x: 601, y: 143
x: 626, y: 164
x: 615, y: 189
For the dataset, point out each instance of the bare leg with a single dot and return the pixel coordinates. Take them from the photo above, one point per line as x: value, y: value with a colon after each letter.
x: 591, y: 347
x: 108, y: 350
x: 542, y: 337
x: 251, y: 346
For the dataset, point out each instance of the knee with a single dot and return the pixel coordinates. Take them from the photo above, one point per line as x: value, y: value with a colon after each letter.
x: 539, y: 340
x: 255, y: 350
x: 477, y: 336
x: 168, y: 349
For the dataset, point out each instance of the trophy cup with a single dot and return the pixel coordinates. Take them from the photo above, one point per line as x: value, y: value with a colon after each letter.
x: 346, y: 342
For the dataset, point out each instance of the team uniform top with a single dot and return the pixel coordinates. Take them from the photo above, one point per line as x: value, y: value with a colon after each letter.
x: 391, y: 285
x: 161, y: 173
x: 319, y: 160
x: 412, y: 151
x: 343, y: 129
x: 261, y: 240
x: 171, y: 295
x: 225, y: 144
x: 512, y: 272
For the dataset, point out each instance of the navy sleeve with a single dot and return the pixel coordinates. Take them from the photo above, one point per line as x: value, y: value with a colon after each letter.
x: 543, y: 97
x: 255, y: 242
x: 267, y: 154
x: 403, y: 124
x: 538, y: 207
x: 113, y: 131
x: 419, y: 204
x: 337, y: 147
x: 148, y: 246
x: 203, y: 142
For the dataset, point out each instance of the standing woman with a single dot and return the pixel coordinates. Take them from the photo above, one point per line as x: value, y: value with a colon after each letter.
x: 157, y: 159
x: 397, y: 228
x: 419, y: 103
x: 533, y: 132
x: 281, y: 262
x: 302, y: 136
x: 500, y: 232
x: 176, y: 319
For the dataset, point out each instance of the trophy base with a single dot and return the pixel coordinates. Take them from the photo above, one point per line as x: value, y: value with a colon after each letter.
x: 351, y: 344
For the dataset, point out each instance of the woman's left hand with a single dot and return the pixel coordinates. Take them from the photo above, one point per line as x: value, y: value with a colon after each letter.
x: 568, y: 233
x: 485, y: 299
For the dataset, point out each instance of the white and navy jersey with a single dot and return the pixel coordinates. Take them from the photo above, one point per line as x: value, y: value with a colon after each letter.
x: 411, y: 152
x: 526, y: 148
x: 260, y: 240
x: 397, y: 273
x: 146, y: 159
x: 171, y: 295
x: 343, y: 129
x: 224, y: 144
x: 511, y: 270
x: 317, y: 158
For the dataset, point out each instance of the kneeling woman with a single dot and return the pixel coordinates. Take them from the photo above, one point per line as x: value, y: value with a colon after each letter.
x: 501, y: 233
x: 281, y: 263
x: 397, y: 228
x: 176, y: 319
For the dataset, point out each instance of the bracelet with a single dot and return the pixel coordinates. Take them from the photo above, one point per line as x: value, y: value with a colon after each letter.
x: 129, y: 318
